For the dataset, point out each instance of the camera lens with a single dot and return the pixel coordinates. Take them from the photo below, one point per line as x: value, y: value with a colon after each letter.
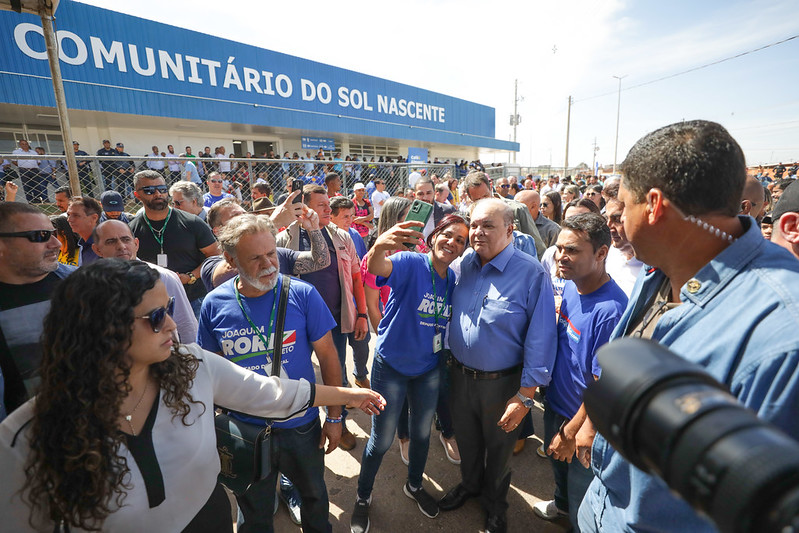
x: 670, y: 418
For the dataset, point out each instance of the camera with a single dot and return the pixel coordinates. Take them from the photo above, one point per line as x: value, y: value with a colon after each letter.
x: 670, y: 418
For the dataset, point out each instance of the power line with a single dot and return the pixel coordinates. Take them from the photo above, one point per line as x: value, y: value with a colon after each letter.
x: 694, y: 69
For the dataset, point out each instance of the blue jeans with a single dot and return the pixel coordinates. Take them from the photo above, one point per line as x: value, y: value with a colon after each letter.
x: 360, y: 354
x: 422, y: 392
x: 196, y: 305
x: 571, y: 479
x: 442, y: 409
x: 295, y: 453
x: 340, y: 342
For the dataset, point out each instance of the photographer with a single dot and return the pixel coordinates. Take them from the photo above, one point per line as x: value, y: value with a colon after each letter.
x: 716, y: 294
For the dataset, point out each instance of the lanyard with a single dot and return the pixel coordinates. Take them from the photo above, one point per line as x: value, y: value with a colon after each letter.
x: 254, y: 327
x: 435, y: 295
x: 159, y: 238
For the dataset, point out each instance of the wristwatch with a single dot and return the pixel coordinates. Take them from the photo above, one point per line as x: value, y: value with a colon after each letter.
x: 192, y: 278
x: 527, y: 402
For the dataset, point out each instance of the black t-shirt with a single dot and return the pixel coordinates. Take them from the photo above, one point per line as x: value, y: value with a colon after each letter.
x: 183, y: 237
x: 22, y: 312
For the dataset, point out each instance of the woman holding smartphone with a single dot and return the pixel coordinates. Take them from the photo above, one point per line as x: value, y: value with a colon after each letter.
x: 409, y: 345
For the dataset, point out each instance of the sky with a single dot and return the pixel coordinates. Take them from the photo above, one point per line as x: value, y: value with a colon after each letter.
x: 556, y: 49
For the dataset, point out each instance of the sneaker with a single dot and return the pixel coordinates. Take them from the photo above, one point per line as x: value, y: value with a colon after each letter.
x: 451, y: 449
x: 404, y: 447
x: 347, y: 441
x: 360, y: 516
x: 541, y: 452
x: 293, y: 503
x: 548, y: 510
x: 426, y: 503
x: 363, y: 382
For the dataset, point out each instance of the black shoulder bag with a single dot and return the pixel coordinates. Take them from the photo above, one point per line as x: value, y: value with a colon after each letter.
x: 244, y: 448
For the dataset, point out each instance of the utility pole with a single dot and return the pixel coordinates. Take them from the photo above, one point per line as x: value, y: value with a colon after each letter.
x: 568, y: 124
x: 515, y: 119
x: 618, y: 109
x: 46, y: 14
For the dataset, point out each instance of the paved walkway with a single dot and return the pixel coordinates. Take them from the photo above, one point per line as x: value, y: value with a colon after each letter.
x: 392, y: 511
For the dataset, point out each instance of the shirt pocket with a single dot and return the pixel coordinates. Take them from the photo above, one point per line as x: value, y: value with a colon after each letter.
x: 495, y: 311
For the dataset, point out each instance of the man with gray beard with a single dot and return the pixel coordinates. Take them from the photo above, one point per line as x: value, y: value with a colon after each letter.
x: 236, y: 321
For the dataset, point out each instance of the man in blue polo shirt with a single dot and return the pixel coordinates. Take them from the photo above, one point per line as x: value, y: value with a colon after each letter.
x: 502, y: 337
x: 589, y: 311
x: 215, y: 183
x: 236, y: 320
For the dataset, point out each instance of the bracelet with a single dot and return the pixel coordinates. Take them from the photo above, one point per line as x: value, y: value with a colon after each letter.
x: 333, y: 420
x: 362, y: 315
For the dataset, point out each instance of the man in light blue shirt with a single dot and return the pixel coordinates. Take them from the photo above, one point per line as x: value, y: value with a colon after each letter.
x: 718, y: 295
x: 502, y: 337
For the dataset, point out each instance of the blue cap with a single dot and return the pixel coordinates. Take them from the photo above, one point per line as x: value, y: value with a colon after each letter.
x: 112, y: 201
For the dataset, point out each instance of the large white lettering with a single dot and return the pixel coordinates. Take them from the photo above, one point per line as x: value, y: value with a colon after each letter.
x: 116, y: 53
x: 113, y: 54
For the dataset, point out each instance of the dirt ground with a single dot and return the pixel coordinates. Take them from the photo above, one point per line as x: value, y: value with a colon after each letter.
x: 392, y: 511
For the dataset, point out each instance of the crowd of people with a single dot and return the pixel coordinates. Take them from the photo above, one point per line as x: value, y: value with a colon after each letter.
x: 120, y: 332
x: 114, y: 168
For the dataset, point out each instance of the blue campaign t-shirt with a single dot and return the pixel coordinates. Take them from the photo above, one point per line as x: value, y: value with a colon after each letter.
x: 360, y: 246
x: 584, y: 325
x: 224, y: 329
x: 209, y: 199
x: 405, y: 334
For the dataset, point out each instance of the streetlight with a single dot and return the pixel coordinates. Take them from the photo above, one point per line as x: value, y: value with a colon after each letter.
x: 618, y: 109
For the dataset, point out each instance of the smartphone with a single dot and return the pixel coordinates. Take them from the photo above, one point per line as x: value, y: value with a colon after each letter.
x: 297, y: 185
x: 418, y: 212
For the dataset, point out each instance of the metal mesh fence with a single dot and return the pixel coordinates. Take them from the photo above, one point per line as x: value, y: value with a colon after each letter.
x: 96, y: 174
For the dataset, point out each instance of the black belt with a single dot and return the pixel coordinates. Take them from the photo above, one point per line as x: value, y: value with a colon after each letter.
x: 482, y: 374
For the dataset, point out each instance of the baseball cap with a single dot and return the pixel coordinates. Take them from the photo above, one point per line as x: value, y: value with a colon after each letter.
x: 788, y: 202
x: 111, y: 200
x: 120, y: 145
x: 106, y: 141
x: 358, y: 186
x: 75, y: 142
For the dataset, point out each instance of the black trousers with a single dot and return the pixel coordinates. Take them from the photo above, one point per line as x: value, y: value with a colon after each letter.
x: 477, y: 405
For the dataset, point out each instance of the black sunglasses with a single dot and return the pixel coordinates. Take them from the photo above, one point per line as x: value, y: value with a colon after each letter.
x: 36, y: 235
x: 152, y: 189
x: 157, y: 317
x: 544, y: 204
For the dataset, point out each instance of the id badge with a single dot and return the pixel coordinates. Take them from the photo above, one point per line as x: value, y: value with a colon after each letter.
x: 438, y: 342
x: 160, y: 260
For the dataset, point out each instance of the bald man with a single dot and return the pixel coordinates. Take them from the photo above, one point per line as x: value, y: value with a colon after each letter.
x: 548, y: 229
x: 113, y: 238
x: 752, y: 199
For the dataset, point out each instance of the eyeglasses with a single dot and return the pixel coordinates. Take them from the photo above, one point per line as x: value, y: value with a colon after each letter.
x: 215, y: 181
x: 36, y: 235
x: 152, y: 189
x: 157, y: 317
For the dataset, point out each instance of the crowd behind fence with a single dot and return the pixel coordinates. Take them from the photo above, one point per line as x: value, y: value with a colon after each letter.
x: 97, y: 174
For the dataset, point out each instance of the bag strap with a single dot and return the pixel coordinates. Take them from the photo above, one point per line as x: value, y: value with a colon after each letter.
x: 277, y: 348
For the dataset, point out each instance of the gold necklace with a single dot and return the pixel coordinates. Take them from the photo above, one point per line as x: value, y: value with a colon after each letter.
x: 129, y: 417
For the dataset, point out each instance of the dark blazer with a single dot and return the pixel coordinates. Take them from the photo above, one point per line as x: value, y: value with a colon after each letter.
x: 440, y: 211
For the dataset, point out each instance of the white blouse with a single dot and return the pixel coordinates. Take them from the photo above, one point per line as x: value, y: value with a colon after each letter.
x: 187, y: 455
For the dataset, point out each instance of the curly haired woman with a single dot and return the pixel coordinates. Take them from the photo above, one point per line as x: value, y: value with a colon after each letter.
x: 121, y: 435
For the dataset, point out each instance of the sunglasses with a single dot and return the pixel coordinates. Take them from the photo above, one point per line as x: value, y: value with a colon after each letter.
x: 36, y: 235
x: 504, y: 186
x: 544, y: 204
x: 152, y: 189
x: 157, y: 317
x: 215, y: 181
x: 591, y: 194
